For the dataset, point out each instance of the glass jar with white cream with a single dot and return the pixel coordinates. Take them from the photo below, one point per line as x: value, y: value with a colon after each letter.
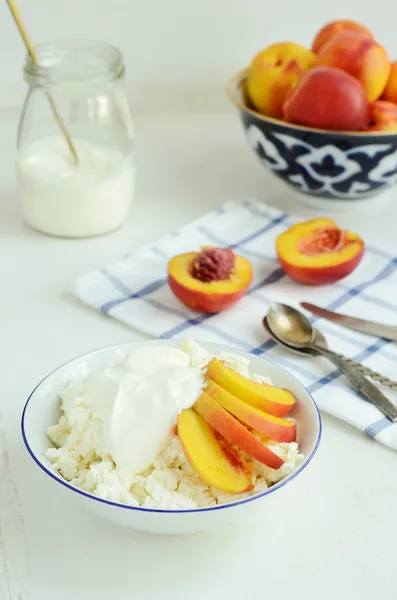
x: 57, y: 195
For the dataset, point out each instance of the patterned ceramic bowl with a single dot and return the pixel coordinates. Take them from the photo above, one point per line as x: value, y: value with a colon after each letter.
x: 337, y: 165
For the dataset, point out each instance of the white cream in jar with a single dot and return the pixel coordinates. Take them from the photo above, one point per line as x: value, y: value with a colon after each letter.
x: 62, y: 199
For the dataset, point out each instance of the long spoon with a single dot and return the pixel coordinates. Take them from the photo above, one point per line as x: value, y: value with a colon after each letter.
x: 293, y: 328
x: 30, y: 48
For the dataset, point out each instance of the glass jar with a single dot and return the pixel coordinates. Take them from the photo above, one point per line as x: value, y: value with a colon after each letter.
x: 80, y: 82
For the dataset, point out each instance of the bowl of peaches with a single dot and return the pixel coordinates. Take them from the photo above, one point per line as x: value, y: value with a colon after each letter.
x: 323, y: 119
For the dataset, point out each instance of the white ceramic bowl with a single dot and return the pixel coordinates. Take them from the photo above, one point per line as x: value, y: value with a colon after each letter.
x: 42, y: 410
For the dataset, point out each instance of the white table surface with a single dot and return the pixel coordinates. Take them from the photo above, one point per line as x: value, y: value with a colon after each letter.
x: 338, y: 540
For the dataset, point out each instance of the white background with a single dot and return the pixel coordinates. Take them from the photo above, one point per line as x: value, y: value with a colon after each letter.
x: 338, y: 538
x: 185, y: 48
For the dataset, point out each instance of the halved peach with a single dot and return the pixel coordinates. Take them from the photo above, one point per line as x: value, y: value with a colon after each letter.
x: 212, y: 457
x: 275, y: 428
x: 211, y: 280
x: 318, y: 252
x: 273, y: 400
x: 234, y: 432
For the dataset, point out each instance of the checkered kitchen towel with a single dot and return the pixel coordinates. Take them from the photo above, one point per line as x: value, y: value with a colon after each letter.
x: 135, y: 291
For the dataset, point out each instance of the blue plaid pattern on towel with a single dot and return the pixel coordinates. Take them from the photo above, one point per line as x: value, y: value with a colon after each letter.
x: 135, y: 291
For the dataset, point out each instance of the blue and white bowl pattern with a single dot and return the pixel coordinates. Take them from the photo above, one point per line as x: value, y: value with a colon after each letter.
x: 328, y: 164
x: 328, y: 169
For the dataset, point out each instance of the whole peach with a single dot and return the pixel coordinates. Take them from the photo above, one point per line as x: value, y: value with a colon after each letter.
x: 382, y: 116
x: 390, y: 92
x: 273, y: 72
x: 362, y: 57
x: 334, y: 28
x: 327, y: 98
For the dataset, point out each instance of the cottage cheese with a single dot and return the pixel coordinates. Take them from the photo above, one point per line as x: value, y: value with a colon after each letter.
x: 83, y: 457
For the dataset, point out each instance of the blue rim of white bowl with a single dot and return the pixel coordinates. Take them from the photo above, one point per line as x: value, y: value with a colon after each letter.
x: 58, y: 478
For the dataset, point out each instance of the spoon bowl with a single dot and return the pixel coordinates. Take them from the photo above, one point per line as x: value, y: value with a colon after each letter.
x: 318, y: 338
x: 290, y: 326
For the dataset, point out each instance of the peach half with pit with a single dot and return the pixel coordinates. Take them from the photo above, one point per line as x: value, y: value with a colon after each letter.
x: 211, y: 280
x: 318, y: 252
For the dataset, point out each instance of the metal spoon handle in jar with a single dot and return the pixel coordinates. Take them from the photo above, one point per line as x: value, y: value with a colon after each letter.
x: 357, y: 379
x: 367, y: 372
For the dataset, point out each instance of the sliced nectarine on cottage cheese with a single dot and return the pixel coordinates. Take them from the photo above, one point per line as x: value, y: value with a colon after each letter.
x: 268, y: 398
x: 213, y: 458
x: 235, y: 432
x: 275, y: 428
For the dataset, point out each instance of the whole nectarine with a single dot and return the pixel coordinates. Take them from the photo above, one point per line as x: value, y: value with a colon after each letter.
x: 273, y: 72
x: 382, y: 116
x: 334, y: 28
x: 361, y: 57
x: 318, y: 252
x: 327, y: 98
x: 390, y: 91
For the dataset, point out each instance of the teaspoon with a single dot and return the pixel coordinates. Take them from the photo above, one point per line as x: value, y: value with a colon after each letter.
x: 321, y: 341
x: 293, y: 328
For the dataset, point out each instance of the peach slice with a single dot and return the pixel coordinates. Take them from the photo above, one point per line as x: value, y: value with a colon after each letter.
x: 276, y: 401
x: 318, y: 252
x: 275, y: 428
x: 211, y: 456
x: 211, y: 280
x: 234, y: 432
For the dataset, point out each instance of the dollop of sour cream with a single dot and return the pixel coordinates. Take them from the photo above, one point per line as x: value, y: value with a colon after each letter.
x: 139, y: 402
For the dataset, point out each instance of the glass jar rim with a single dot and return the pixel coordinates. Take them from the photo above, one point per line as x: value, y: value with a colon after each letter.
x: 73, y: 61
